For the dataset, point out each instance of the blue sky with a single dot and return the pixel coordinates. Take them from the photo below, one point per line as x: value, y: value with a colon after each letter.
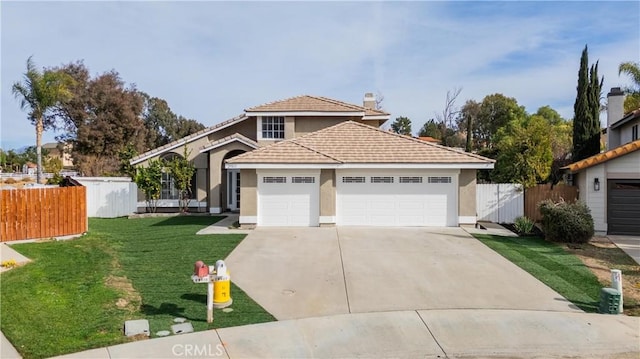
x: 211, y: 60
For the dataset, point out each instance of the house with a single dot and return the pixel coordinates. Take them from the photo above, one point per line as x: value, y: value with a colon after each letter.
x: 354, y: 174
x: 216, y: 189
x: 61, y: 151
x: 311, y: 161
x: 609, y: 182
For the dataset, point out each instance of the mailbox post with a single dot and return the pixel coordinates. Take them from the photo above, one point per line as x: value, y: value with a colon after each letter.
x: 218, y: 285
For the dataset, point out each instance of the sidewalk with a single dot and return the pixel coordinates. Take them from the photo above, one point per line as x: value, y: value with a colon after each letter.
x: 222, y: 227
x: 629, y: 244
x: 423, y: 333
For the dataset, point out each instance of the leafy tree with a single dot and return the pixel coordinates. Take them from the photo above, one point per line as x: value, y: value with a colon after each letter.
x: 53, y: 165
x: 524, y: 152
x: 560, y: 136
x: 402, y: 125
x: 550, y: 115
x: 40, y: 92
x: 430, y: 129
x: 11, y: 161
x: 631, y: 69
x: 586, y: 120
x: 101, y: 119
x: 149, y: 181
x: 182, y: 171
x: 125, y: 155
x: 467, y: 118
x: 494, y: 112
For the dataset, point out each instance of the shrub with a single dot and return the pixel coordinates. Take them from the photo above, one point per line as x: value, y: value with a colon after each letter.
x: 566, y: 222
x: 523, y: 225
x: 10, y: 181
x: 27, y: 179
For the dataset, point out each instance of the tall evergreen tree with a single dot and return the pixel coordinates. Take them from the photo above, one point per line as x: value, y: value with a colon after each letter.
x: 586, y: 118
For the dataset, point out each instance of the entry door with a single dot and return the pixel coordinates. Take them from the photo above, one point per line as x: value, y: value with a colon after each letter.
x: 233, y: 189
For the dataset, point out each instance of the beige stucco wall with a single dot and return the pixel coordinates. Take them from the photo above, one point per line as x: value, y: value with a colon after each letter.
x: 246, y: 128
x: 328, y: 194
x: 467, y: 193
x: 216, y: 180
x: 248, y: 196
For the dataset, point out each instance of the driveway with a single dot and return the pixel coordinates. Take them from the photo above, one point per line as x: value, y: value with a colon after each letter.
x: 310, y: 272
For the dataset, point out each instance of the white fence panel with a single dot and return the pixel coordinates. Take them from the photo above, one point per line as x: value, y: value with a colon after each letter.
x: 499, y: 202
x: 110, y: 197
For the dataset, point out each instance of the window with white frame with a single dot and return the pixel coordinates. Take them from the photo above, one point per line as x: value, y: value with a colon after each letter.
x: 272, y: 127
x: 274, y: 180
x: 439, y: 180
x: 303, y: 180
x: 381, y: 179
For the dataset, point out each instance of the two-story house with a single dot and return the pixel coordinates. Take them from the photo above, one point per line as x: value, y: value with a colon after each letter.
x: 609, y: 182
x: 310, y: 161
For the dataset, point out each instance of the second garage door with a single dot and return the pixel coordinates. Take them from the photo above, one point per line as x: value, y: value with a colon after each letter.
x: 396, y: 198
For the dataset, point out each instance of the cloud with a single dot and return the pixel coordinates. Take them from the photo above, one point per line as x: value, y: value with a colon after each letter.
x: 211, y: 60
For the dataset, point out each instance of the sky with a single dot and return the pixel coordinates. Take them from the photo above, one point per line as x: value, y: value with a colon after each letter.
x: 211, y: 60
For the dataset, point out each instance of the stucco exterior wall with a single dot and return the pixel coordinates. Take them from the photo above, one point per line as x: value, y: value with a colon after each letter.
x: 467, y: 197
x: 246, y: 128
x: 327, y: 196
x: 216, y: 181
x: 249, y: 197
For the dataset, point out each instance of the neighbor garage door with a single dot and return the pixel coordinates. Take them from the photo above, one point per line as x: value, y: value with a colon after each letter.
x: 623, y: 207
x: 288, y: 198
x: 396, y: 198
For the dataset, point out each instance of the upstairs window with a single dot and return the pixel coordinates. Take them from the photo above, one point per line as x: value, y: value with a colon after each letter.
x: 634, y: 132
x: 272, y: 127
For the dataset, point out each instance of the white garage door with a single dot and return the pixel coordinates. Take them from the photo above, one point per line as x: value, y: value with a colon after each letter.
x: 288, y: 198
x: 397, y: 198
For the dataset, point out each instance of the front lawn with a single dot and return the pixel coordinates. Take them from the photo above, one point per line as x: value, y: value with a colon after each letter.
x: 552, y: 265
x: 76, y: 294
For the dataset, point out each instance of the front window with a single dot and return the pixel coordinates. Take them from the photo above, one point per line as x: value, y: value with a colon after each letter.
x: 170, y: 190
x: 273, y: 127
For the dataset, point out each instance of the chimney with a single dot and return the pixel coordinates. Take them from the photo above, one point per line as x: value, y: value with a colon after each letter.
x: 615, y: 112
x: 369, y: 101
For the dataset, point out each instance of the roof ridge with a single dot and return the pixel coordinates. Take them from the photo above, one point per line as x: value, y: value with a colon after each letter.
x: 275, y: 101
x: 338, y: 102
x: 411, y: 138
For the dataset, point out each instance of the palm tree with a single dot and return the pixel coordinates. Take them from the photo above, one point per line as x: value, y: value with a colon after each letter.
x: 40, y: 92
x: 632, y: 69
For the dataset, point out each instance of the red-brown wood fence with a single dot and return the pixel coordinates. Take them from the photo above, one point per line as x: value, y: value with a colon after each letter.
x: 32, y: 213
x: 541, y: 192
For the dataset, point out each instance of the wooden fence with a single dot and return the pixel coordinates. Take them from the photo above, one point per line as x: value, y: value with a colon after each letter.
x: 534, y: 195
x: 42, y: 212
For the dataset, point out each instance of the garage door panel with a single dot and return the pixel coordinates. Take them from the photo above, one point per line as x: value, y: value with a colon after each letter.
x: 623, y: 207
x: 287, y: 203
x: 396, y: 204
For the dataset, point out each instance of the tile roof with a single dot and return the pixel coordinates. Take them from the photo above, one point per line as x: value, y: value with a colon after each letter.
x: 603, y: 157
x: 235, y: 136
x: 352, y: 142
x: 429, y: 139
x: 183, y: 140
x: 306, y: 103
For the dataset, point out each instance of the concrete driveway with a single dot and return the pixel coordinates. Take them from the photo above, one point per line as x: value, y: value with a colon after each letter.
x: 310, y: 272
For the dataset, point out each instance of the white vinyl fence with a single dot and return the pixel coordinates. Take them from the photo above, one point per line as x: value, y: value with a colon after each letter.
x: 499, y: 202
x: 110, y: 197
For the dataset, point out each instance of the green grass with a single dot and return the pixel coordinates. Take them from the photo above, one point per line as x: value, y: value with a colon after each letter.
x: 65, y: 300
x: 552, y: 265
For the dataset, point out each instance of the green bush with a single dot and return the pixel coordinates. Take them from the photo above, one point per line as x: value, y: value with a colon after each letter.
x: 523, y: 225
x: 566, y: 222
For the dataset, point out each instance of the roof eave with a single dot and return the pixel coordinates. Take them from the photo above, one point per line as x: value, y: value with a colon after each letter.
x: 336, y: 165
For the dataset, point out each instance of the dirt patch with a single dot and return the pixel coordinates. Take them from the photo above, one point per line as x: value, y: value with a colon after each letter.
x: 130, y: 299
x: 601, y: 255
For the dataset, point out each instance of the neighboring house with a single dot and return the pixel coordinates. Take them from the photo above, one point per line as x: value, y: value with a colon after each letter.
x: 61, y: 151
x: 429, y: 139
x: 216, y: 189
x: 29, y: 168
x: 609, y: 182
x: 353, y: 174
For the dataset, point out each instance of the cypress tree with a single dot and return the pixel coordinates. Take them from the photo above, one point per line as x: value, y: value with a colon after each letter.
x: 586, y: 118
